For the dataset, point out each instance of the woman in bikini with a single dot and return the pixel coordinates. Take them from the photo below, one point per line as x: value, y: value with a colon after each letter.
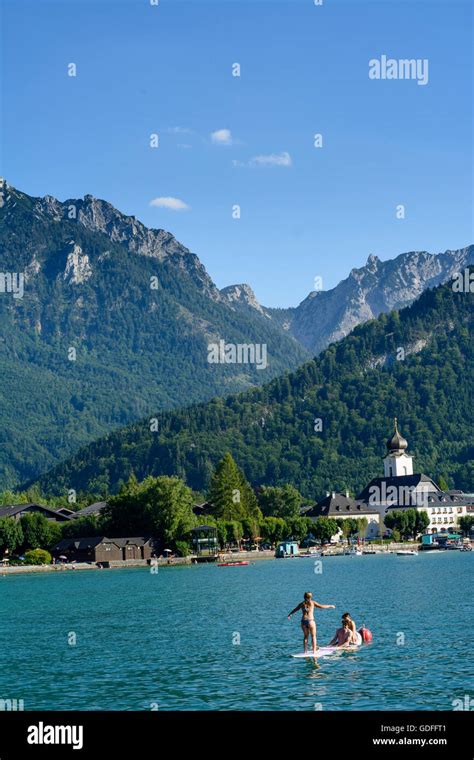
x: 308, y: 624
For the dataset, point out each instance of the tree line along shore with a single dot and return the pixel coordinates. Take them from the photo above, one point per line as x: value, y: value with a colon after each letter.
x: 164, y: 507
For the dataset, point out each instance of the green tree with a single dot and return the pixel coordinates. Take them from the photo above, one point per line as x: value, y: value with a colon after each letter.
x: 7, y: 498
x: 225, y: 493
x: 422, y: 521
x: 124, y: 515
x: 222, y: 536
x: 272, y: 529
x: 280, y: 501
x: 250, y: 502
x: 406, y: 522
x: 131, y: 487
x: 38, y: 531
x: 298, y: 528
x: 169, y: 507
x: 346, y: 527
x: 230, y: 493
x: 11, y: 534
x: 362, y: 524
x: 38, y: 557
x: 55, y: 534
x: 161, y: 507
x: 465, y: 524
x: 324, y: 528
x: 183, y: 548
x: 90, y: 525
x: 352, y: 527
x: 410, y: 515
x: 250, y: 528
x: 392, y: 521
x: 233, y: 532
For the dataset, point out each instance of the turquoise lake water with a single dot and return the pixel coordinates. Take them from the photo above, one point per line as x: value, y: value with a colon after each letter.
x: 167, y: 641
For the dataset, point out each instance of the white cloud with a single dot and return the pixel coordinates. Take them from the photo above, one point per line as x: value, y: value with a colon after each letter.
x: 179, y: 131
x: 272, y: 159
x: 174, y: 204
x: 222, y: 137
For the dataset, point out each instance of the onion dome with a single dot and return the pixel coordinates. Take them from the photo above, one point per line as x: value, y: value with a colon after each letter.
x: 397, y: 442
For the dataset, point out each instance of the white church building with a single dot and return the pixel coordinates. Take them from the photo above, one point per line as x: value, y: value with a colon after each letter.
x: 399, y: 488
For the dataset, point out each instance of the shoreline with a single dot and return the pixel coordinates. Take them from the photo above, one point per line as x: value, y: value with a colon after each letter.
x: 191, y: 560
x: 117, y: 565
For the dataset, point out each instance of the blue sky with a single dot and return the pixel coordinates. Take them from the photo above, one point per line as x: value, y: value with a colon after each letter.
x: 305, y: 212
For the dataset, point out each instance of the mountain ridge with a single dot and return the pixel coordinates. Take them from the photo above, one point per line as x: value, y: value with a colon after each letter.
x: 115, y: 319
x: 354, y: 389
x: 140, y: 346
x: 377, y: 287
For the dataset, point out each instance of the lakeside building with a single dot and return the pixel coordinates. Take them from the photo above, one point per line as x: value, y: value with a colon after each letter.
x: 17, y: 511
x: 103, y: 549
x: 338, y: 505
x: 93, y: 510
x: 204, y: 542
x: 399, y: 488
x: 287, y: 549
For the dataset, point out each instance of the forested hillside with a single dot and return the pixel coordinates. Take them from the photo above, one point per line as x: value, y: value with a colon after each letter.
x: 114, y: 323
x: 322, y: 427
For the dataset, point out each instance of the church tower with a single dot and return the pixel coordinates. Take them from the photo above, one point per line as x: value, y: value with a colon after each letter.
x: 397, y: 462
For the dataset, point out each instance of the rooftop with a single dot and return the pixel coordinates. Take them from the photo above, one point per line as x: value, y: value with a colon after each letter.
x: 400, y: 481
x: 92, y: 509
x: 338, y: 505
x: 14, y: 509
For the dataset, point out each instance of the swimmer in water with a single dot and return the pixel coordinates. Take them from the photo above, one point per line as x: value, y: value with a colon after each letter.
x: 356, y: 637
x: 343, y: 635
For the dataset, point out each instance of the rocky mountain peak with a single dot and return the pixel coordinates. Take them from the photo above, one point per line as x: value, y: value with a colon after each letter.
x: 99, y: 215
x: 373, y: 262
x: 243, y: 295
x: 377, y: 287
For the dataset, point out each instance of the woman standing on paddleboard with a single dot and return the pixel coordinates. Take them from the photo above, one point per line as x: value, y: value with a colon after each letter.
x: 308, y: 624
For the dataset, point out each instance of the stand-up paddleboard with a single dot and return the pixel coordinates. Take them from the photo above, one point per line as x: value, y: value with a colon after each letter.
x: 321, y: 652
x: 324, y: 651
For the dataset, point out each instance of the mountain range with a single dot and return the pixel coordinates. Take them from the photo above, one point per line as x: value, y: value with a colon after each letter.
x: 116, y: 319
x: 376, y: 288
x: 324, y: 426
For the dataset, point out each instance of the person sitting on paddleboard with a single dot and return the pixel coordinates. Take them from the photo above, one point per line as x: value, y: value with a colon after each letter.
x: 343, y: 636
x: 356, y: 637
x: 307, y: 621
